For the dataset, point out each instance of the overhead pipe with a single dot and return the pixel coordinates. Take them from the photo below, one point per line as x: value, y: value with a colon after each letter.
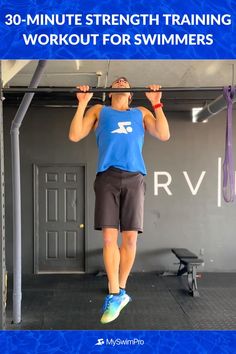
x: 213, y: 108
x: 16, y: 190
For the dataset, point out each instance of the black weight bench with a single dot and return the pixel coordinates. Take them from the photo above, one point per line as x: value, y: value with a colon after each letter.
x: 188, y: 264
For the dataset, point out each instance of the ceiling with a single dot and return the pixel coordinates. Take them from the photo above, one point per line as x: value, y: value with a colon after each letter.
x: 139, y: 72
x: 168, y: 73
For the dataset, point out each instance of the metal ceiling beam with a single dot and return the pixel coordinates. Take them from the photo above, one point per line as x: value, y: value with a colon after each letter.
x: 11, y: 68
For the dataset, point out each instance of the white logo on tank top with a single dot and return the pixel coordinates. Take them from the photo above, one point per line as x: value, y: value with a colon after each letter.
x: 124, y: 128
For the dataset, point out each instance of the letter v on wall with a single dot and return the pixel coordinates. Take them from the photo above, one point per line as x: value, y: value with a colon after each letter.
x: 192, y: 189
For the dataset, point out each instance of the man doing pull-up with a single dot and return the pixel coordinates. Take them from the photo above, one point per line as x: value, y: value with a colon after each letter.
x: 119, y: 185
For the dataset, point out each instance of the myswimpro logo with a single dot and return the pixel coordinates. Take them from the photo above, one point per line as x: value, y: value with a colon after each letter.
x: 118, y: 341
x: 100, y: 341
x: 124, y: 128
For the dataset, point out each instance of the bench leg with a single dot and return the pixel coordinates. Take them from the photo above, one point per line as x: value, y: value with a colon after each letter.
x: 192, y: 281
x: 181, y: 271
x: 191, y: 271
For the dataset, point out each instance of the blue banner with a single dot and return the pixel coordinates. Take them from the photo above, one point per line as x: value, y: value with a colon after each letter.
x: 122, y: 29
x: 153, y: 342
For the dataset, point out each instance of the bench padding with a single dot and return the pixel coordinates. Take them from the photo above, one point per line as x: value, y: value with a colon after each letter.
x: 192, y: 261
x: 183, y: 253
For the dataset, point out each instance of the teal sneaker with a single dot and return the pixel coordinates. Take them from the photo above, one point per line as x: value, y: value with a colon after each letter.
x: 123, y: 292
x: 113, y: 305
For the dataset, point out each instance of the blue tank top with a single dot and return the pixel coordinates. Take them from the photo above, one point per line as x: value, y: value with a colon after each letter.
x: 120, y: 137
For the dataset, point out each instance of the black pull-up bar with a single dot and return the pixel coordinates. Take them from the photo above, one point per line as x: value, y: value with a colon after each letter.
x: 107, y: 89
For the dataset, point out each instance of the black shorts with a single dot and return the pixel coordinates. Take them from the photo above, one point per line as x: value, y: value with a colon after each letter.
x: 119, y: 200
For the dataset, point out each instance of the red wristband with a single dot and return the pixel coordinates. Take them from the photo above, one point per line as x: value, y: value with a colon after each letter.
x: 155, y: 106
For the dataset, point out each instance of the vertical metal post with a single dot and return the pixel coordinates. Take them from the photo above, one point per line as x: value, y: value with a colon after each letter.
x: 16, y: 190
x: 3, y: 285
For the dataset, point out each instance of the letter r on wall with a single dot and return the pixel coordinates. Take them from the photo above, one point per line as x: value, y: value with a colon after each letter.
x: 165, y: 185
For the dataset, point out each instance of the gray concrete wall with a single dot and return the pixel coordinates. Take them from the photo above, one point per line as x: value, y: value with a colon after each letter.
x: 178, y: 220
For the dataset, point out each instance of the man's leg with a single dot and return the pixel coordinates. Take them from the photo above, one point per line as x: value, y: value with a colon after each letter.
x: 116, y: 300
x: 111, y: 257
x: 127, y: 255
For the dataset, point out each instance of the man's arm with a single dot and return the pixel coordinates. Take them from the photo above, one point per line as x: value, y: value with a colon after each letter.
x: 156, y: 125
x: 82, y: 124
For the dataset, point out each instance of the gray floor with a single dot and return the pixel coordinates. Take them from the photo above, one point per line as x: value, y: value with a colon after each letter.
x: 159, y: 302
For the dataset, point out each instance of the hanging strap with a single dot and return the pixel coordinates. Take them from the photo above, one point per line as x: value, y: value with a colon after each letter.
x: 228, y: 165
